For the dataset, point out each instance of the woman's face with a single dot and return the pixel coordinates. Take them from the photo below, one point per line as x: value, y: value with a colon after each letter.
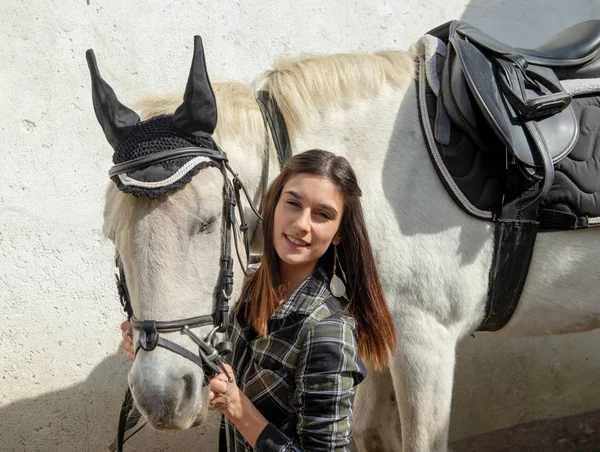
x: 307, y: 219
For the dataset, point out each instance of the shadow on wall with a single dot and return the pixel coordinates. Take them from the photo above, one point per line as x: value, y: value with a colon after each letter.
x: 527, y: 24
x: 502, y: 381
x: 83, y: 418
x: 579, y: 433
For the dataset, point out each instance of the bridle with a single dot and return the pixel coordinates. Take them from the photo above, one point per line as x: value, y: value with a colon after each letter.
x: 209, y: 356
x: 210, y: 353
x: 185, y: 136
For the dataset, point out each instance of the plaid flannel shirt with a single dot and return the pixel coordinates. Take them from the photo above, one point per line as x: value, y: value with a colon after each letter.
x: 301, y: 376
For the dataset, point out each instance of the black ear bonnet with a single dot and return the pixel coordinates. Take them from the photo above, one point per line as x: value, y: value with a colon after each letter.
x: 189, y: 128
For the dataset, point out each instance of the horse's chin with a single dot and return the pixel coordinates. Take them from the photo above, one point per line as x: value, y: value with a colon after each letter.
x: 173, y: 423
x: 197, y: 415
x: 199, y: 421
x: 181, y: 423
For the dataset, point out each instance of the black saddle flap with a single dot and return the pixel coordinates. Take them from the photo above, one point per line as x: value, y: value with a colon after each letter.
x: 559, y: 131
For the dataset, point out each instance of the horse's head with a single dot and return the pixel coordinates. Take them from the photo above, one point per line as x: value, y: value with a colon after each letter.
x: 167, y: 212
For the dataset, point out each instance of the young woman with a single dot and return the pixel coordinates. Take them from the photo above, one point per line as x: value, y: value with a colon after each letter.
x: 305, y: 318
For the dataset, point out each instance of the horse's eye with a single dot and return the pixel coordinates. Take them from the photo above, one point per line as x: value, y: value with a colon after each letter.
x: 206, y: 227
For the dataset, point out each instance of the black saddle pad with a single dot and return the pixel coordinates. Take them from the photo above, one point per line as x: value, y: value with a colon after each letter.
x: 478, y: 180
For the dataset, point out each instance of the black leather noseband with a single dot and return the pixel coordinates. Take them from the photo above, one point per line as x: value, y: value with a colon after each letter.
x: 209, y: 355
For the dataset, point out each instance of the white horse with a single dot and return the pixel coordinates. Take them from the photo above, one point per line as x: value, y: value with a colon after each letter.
x: 434, y: 260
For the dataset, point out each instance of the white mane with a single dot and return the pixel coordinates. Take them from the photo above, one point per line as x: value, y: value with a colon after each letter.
x: 305, y: 85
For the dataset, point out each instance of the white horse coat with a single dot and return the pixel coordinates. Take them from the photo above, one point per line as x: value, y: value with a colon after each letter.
x: 433, y: 259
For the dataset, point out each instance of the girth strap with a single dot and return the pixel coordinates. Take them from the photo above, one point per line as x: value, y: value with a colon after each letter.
x: 514, y: 239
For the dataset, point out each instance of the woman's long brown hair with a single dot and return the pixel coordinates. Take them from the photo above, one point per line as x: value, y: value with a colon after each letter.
x: 366, y: 301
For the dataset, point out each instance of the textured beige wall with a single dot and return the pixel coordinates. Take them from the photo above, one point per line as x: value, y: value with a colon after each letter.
x: 502, y: 381
x: 61, y: 376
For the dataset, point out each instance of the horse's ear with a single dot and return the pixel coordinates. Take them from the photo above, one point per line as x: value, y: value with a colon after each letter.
x: 116, y: 119
x: 198, y: 112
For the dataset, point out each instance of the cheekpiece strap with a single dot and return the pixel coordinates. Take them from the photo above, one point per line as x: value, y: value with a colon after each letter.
x: 122, y: 288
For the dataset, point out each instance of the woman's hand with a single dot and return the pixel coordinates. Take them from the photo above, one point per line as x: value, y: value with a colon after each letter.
x: 225, y: 396
x: 127, y: 341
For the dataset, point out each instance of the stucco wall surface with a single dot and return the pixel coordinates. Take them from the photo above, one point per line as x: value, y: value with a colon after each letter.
x: 62, y: 376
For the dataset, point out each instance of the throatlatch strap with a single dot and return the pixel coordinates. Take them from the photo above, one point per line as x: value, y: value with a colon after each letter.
x: 272, y: 113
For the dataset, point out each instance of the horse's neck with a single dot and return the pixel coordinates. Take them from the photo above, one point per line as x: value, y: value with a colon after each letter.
x: 382, y: 139
x: 372, y: 134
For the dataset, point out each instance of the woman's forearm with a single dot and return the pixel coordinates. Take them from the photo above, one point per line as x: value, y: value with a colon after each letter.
x: 246, y: 418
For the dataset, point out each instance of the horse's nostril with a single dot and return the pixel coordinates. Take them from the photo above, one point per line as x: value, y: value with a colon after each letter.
x: 190, y: 385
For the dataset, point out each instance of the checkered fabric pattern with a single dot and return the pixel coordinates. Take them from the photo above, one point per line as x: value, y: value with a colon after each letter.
x: 302, y: 376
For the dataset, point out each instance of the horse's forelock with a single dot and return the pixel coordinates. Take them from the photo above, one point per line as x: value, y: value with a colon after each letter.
x: 239, y: 119
x: 120, y: 209
x: 239, y: 114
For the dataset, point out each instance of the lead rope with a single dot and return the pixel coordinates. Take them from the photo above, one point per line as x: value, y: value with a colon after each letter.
x: 129, y: 416
x: 123, y: 418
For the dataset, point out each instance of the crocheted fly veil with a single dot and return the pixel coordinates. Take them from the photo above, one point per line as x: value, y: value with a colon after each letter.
x: 161, y: 154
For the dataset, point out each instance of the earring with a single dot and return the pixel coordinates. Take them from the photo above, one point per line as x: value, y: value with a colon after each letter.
x: 336, y: 285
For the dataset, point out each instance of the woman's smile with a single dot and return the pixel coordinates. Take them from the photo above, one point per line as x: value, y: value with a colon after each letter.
x: 296, y: 243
